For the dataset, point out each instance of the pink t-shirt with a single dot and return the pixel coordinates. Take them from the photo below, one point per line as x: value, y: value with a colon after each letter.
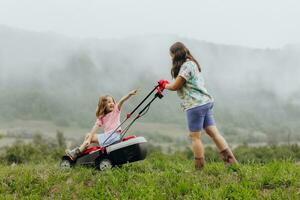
x: 110, y: 121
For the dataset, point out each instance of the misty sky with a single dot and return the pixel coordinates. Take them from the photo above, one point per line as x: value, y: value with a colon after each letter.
x: 255, y: 23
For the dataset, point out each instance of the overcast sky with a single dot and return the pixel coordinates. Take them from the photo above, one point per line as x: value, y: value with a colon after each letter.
x: 254, y: 23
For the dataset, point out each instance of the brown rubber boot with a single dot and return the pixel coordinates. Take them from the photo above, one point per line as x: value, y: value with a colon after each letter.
x: 228, y: 157
x: 199, y: 163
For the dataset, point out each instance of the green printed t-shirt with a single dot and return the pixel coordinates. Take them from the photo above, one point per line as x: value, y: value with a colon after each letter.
x: 192, y: 93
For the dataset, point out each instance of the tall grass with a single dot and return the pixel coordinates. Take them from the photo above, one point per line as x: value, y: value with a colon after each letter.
x: 31, y: 171
x: 160, y: 176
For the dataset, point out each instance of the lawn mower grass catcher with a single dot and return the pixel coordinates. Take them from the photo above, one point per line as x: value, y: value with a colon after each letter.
x: 127, y: 149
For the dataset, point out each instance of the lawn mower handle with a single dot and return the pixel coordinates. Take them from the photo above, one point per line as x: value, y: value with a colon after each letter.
x: 157, y: 94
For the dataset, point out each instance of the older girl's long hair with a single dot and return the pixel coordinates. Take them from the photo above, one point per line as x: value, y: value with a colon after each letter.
x: 101, y: 108
x: 181, y: 54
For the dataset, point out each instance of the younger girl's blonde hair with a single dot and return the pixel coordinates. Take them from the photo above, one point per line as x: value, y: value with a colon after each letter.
x: 101, y: 108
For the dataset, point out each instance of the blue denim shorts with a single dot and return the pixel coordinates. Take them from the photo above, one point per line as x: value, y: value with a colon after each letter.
x: 200, y: 117
x: 105, y: 137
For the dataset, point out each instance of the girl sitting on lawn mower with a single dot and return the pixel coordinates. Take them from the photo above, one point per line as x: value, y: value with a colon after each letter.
x: 108, y: 117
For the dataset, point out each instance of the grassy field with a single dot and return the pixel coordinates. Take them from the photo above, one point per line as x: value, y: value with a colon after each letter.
x: 158, y: 177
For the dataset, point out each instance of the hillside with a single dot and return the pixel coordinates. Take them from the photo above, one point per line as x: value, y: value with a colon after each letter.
x: 50, y: 77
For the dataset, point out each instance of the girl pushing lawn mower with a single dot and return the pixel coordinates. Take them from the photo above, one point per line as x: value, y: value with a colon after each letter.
x: 197, y: 103
x: 108, y: 117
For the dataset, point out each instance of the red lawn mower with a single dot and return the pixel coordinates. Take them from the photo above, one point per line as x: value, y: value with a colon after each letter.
x: 127, y: 149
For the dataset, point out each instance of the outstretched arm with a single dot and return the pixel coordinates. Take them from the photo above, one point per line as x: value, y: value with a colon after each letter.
x: 126, y: 97
x: 94, y: 129
x: 88, y: 138
x: 176, y: 85
x: 93, y: 132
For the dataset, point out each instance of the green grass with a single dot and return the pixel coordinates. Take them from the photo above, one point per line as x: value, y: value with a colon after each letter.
x: 158, y: 177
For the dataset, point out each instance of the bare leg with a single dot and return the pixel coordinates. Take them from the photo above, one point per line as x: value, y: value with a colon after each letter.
x: 198, y: 149
x: 85, y: 142
x: 89, y: 138
x: 218, y: 139
x: 94, y: 139
x: 222, y: 145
